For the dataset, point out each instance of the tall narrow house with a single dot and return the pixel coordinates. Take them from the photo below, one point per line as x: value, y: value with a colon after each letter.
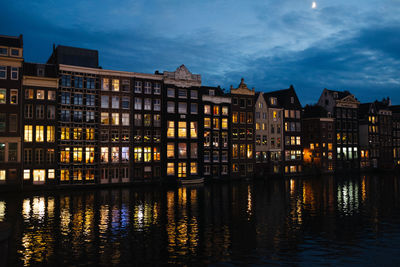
x: 344, y: 108
x: 262, y: 135
x: 242, y: 119
x: 292, y: 131
x: 40, y: 107
x: 11, y: 61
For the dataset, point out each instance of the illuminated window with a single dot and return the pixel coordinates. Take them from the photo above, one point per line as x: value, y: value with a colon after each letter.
x: 28, y: 133
x: 77, y: 175
x: 3, y: 96
x: 105, y: 84
x: 14, y: 96
x: 64, y: 175
x: 104, y: 154
x: 89, y: 154
x: 249, y: 151
x: 242, y: 117
x: 170, y: 150
x: 51, y: 174
x: 182, y: 129
x: 156, y: 154
x: 147, y: 154
x: 207, y: 136
x: 182, y: 150
x: 64, y: 155
x: 234, y: 117
x: 147, y: 120
x: 249, y: 117
x: 115, y: 85
x: 115, y: 154
x: 182, y: 169
x: 329, y: 146
x: 207, y: 122
x: 39, y: 94
x: 77, y: 154
x: 137, y: 154
x: 77, y: 134
x: 292, y: 140
x: 27, y: 175
x: 170, y: 129
x: 311, y: 146
x: 104, y: 118
x: 235, y: 167
x: 39, y: 133
x: 170, y: 168
x: 242, y: 151
x: 207, y: 109
x: 298, y: 140
x: 216, y: 110
x: 115, y: 118
x: 2, y: 175
x: 50, y: 133
x: 39, y: 175
x: 90, y: 134
x: 215, y: 123
x: 193, y: 129
x: 193, y: 168
x: 257, y: 126
x: 125, y: 154
x: 64, y: 133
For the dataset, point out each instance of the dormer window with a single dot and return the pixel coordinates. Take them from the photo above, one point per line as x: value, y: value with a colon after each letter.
x: 211, y: 92
x: 272, y: 100
x: 335, y: 95
x: 40, y: 72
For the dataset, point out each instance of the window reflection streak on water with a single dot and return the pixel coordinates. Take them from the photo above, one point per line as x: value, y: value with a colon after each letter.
x: 2, y: 210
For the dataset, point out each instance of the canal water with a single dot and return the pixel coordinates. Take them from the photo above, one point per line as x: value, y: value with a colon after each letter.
x: 313, y: 221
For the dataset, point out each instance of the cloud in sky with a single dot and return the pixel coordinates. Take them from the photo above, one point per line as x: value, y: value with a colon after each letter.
x: 272, y: 44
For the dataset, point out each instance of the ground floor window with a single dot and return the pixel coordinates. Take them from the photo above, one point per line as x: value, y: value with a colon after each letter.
x: 89, y: 175
x: 157, y: 171
x: 51, y: 173
x: 39, y: 175
x: 235, y: 167
x: 125, y: 173
x: 182, y: 169
x: 170, y: 168
x: 104, y: 173
x: 64, y: 175
x: 2, y: 175
x: 77, y: 175
x: 193, y: 168
x: 27, y: 174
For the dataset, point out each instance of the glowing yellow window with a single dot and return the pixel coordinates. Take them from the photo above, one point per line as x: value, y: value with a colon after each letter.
x: 215, y: 123
x: 77, y: 175
x: 64, y: 155
x: 64, y: 133
x: 64, y: 175
x: 182, y: 129
x: 50, y: 133
x: 193, y: 168
x: 170, y: 129
x: 193, y: 129
x: 89, y: 154
x: 115, y: 85
x: 182, y: 169
x: 77, y: 154
x: 224, y: 123
x: 77, y: 133
x: 90, y: 134
x: 249, y: 151
x: 170, y: 168
x: 28, y: 133
x: 234, y: 117
x: 170, y: 150
x: 207, y: 122
x: 147, y: 154
x: 39, y: 133
x: 156, y: 154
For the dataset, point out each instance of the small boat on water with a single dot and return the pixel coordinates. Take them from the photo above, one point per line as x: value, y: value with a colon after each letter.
x: 198, y: 180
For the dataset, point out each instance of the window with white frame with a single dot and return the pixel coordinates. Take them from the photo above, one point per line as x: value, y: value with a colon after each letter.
x: 14, y: 73
x: 3, y: 72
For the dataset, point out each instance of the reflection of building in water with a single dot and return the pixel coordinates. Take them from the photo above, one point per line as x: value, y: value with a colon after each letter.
x: 2, y: 210
x: 38, y: 241
x: 182, y: 227
x: 348, y: 197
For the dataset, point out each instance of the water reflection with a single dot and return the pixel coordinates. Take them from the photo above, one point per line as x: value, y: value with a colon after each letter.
x: 260, y: 223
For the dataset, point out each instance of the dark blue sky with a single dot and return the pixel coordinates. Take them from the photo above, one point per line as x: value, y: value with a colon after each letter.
x: 340, y: 44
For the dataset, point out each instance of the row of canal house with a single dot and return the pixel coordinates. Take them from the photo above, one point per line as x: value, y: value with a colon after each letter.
x: 71, y: 122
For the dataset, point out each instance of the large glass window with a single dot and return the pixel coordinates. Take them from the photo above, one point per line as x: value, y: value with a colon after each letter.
x: 170, y: 107
x: 193, y: 129
x: 105, y: 101
x: 39, y: 175
x: 182, y: 129
x: 77, y: 154
x: 115, y: 118
x: 182, y: 169
x: 182, y: 150
x: 115, y: 102
x: 105, y: 84
x: 147, y: 104
x: 77, y: 133
x: 3, y: 96
x: 115, y: 85
x: 125, y: 154
x: 182, y: 108
x: 147, y: 154
x: 104, y: 154
x: 170, y: 168
x: 224, y: 123
x: 64, y: 133
x: 125, y: 119
x: 78, y: 99
x: 89, y: 155
x: 147, y: 87
x: 51, y: 134
x: 125, y: 102
x: 137, y: 154
x: 170, y: 129
x: 115, y: 154
x: 90, y: 134
x: 39, y: 133
x: 170, y: 150
x: 138, y: 103
x: 40, y: 94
